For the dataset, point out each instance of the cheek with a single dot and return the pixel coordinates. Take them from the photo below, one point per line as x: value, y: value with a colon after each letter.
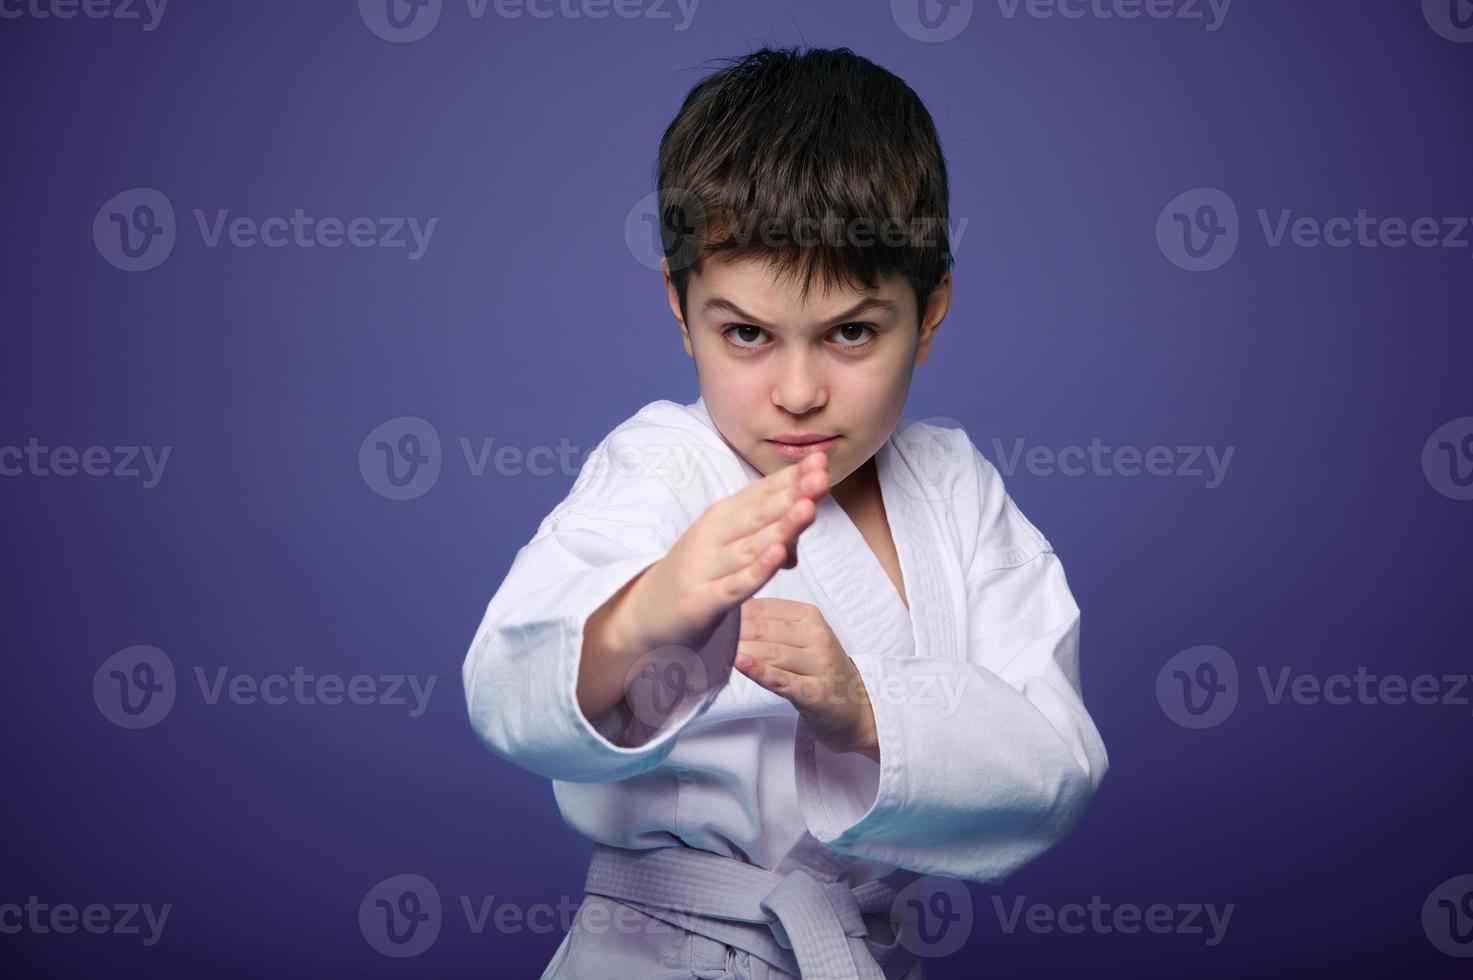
x: 733, y: 390
x: 734, y: 400
x: 876, y: 381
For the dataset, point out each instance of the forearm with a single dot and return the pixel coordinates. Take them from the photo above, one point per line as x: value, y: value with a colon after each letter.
x: 609, y: 653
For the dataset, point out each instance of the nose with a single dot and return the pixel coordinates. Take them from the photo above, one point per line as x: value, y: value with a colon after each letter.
x: 799, y: 387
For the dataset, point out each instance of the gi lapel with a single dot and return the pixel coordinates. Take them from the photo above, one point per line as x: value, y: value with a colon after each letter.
x: 852, y: 589
x: 920, y: 480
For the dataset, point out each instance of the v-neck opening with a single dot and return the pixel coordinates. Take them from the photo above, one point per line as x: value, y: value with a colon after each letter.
x: 853, y: 586
x: 882, y: 476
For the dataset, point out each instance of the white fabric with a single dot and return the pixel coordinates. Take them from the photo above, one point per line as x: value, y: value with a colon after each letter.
x: 988, y: 755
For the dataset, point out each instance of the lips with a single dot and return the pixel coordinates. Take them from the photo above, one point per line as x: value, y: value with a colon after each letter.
x: 795, y: 452
x: 802, y: 439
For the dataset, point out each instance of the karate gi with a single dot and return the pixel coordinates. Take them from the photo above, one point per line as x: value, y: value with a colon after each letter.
x: 988, y: 756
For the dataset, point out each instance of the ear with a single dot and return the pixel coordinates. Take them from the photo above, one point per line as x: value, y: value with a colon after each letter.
x: 673, y: 296
x: 936, y: 306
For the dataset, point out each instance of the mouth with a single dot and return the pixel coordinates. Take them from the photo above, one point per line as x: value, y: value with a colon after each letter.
x: 802, y: 439
x: 793, y: 450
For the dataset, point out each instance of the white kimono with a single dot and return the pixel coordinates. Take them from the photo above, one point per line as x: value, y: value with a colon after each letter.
x: 988, y: 756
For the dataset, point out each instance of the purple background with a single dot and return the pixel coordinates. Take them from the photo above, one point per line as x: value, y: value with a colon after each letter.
x: 529, y: 320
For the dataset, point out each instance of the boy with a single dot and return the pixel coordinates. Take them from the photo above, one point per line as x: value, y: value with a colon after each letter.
x: 767, y: 740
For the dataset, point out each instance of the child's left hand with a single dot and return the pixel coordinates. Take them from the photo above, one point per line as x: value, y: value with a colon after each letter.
x: 788, y: 648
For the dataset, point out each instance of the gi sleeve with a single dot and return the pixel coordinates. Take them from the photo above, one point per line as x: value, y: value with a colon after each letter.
x: 520, y: 673
x: 984, y: 763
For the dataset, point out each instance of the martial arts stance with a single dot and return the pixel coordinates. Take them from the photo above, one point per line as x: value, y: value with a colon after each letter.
x: 781, y: 650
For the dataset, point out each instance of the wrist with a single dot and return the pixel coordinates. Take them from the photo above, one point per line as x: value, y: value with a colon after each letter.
x: 868, y: 741
x: 869, y: 745
x: 621, y: 627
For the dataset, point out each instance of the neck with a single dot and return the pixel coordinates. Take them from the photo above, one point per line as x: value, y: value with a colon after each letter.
x: 857, y: 487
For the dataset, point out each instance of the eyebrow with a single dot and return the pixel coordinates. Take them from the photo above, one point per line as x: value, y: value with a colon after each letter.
x: 718, y: 304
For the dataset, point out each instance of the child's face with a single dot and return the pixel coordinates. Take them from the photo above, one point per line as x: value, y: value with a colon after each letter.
x: 770, y: 366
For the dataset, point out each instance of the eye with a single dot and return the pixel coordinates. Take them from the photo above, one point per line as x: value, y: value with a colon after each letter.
x: 742, y: 327
x: 861, y: 343
x: 747, y: 336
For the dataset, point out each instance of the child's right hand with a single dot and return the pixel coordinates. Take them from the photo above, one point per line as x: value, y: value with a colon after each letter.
x: 726, y: 556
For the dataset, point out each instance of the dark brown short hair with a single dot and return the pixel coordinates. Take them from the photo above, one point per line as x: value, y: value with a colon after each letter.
x: 819, y: 161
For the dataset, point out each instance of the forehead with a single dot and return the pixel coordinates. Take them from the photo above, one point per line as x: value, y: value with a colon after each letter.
x: 762, y: 290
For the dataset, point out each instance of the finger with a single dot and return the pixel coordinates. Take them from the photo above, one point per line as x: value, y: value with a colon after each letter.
x: 788, y: 610
x: 778, y: 481
x: 740, y: 585
x: 796, y: 688
x: 794, y: 660
x: 747, y: 516
x: 740, y: 554
x: 767, y: 500
x: 759, y: 628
